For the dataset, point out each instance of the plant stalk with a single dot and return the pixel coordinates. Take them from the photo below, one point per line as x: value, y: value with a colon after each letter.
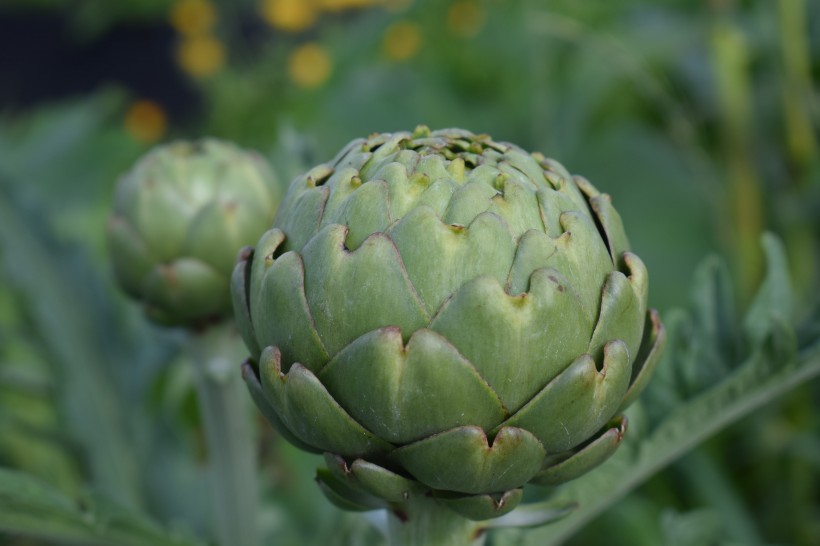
x: 425, y: 522
x: 730, y: 52
x: 223, y: 404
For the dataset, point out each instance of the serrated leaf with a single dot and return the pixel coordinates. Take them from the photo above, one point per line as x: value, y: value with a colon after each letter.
x: 697, y: 528
x: 775, y: 295
x: 33, y: 508
x: 73, y: 341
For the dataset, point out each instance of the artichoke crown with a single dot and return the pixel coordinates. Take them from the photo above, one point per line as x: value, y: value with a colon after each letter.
x: 437, y: 311
x: 181, y: 215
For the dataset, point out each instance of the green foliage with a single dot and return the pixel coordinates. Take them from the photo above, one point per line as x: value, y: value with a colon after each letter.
x: 688, y: 112
x: 31, y: 507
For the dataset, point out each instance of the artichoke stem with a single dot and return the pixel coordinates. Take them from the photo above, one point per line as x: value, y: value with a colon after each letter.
x: 231, y: 456
x: 424, y: 522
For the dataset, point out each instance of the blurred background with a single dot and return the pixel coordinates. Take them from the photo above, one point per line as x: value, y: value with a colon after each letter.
x: 700, y: 118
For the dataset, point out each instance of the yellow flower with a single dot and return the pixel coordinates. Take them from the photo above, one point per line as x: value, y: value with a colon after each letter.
x: 192, y: 17
x: 145, y: 121
x: 466, y: 18
x: 289, y: 15
x: 402, y: 40
x: 201, y: 56
x: 309, y: 66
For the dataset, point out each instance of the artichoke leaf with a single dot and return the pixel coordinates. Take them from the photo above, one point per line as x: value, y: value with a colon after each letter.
x: 344, y: 496
x: 585, y: 459
x: 307, y: 209
x: 264, y: 406
x: 535, y: 514
x: 552, y: 205
x: 518, y: 206
x: 161, y: 211
x: 648, y: 356
x: 240, y: 279
x: 609, y: 220
x: 524, y: 163
x: 403, y: 394
x: 623, y: 309
x: 352, y: 293
x: 467, y: 203
x: 577, y: 403
x: 434, y: 166
x: 517, y: 343
x: 402, y: 189
x: 465, y: 461
x: 365, y: 212
x: 342, y: 185
x: 270, y: 245
x: 578, y: 254
x: 305, y: 406
x: 285, y: 320
x: 374, y: 480
x: 481, y: 507
x: 383, y: 483
x: 485, y: 246
x: 216, y: 231
x: 180, y: 286
x: 132, y: 260
x: 437, y: 196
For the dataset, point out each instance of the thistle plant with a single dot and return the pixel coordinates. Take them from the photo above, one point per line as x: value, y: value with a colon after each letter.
x: 447, y: 318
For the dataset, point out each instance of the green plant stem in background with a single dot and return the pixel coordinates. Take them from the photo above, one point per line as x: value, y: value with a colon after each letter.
x: 797, y: 84
x: 802, y: 152
x: 730, y: 69
x: 223, y: 403
x: 426, y: 523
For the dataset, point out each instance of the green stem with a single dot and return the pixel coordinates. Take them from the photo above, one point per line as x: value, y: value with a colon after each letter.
x: 231, y: 456
x: 730, y: 53
x: 424, y: 522
x: 797, y: 84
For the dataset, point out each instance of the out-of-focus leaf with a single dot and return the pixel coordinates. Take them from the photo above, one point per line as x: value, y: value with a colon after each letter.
x: 774, y: 300
x: 697, y: 528
x: 68, y: 333
x: 30, y: 507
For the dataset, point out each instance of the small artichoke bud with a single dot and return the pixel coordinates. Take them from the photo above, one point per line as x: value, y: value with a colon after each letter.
x: 442, y: 314
x: 181, y: 215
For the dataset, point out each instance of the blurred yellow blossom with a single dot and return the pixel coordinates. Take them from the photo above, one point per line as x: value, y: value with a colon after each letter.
x: 289, y: 15
x: 200, y: 56
x: 309, y: 66
x: 145, y: 121
x: 466, y: 18
x: 192, y: 17
x: 402, y: 40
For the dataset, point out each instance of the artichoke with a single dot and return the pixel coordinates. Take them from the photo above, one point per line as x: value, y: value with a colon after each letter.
x: 180, y: 217
x: 442, y: 314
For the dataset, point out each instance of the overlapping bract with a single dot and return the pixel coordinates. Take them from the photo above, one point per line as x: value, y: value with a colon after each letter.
x: 440, y: 312
x: 180, y: 217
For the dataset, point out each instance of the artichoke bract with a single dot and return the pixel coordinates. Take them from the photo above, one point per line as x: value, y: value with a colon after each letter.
x: 443, y: 314
x: 181, y: 215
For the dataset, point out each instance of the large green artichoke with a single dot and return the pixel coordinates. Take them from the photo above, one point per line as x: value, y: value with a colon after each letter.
x: 439, y: 312
x: 180, y: 217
